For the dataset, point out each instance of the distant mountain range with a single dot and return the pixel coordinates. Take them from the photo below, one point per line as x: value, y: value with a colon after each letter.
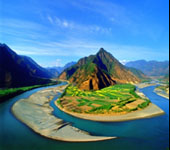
x: 89, y: 73
x: 17, y: 71
x: 99, y: 71
x: 150, y: 68
x: 138, y: 73
x: 56, y: 71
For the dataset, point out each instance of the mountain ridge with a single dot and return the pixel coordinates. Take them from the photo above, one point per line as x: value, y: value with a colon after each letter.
x: 150, y: 68
x: 17, y: 71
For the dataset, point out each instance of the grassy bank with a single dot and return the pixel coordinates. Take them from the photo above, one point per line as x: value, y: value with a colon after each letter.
x: 113, y: 99
x: 5, y: 94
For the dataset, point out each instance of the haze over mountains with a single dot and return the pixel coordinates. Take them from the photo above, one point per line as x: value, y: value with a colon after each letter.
x: 138, y: 73
x: 151, y: 68
x: 56, y: 71
x: 98, y: 71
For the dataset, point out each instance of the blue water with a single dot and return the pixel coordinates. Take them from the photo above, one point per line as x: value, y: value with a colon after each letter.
x: 145, y: 134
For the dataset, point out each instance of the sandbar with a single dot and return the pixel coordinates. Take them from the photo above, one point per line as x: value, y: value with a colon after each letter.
x: 36, y: 113
x: 161, y: 93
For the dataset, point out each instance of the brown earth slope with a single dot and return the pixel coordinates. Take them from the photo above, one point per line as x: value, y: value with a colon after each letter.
x: 98, y: 71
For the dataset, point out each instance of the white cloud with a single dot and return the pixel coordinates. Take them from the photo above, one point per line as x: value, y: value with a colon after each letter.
x: 80, y: 48
x: 39, y: 50
x: 59, y: 22
x: 124, y: 62
x: 109, y: 10
x: 65, y: 24
x: 50, y: 19
x: 74, y: 26
x: 134, y: 21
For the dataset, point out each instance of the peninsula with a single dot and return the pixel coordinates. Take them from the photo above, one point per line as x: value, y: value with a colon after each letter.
x: 112, y: 104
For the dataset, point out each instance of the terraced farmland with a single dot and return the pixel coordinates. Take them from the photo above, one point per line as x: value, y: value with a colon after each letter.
x: 114, y: 99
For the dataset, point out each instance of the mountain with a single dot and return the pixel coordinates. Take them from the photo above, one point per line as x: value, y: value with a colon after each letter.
x: 98, y: 71
x: 138, y: 73
x: 150, y: 68
x: 16, y: 70
x: 54, y: 71
x: 68, y: 65
x: 58, y: 70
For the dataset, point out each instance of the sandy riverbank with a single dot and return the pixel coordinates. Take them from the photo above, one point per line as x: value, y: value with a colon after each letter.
x: 143, y: 85
x: 160, y: 93
x: 151, y: 111
x: 36, y: 113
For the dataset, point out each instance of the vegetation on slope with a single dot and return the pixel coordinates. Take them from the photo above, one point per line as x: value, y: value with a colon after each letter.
x: 150, y: 68
x: 98, y: 71
x: 139, y: 74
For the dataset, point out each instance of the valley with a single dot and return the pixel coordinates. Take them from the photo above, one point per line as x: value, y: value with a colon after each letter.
x: 84, y: 75
x: 97, y: 88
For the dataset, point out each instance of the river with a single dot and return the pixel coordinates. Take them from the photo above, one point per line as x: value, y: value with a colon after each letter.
x: 144, y: 134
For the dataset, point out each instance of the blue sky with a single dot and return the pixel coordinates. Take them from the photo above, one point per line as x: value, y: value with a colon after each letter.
x: 54, y: 32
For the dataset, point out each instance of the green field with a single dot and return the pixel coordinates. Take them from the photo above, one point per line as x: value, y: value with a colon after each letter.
x: 11, y: 92
x: 101, y: 101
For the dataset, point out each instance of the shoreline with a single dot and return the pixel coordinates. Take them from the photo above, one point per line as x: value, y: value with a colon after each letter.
x: 4, y: 98
x: 150, y: 111
x: 144, y: 85
x: 64, y: 139
x: 36, y: 113
x: 158, y: 92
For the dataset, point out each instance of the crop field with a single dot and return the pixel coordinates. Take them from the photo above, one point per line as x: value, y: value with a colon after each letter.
x: 114, y: 99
